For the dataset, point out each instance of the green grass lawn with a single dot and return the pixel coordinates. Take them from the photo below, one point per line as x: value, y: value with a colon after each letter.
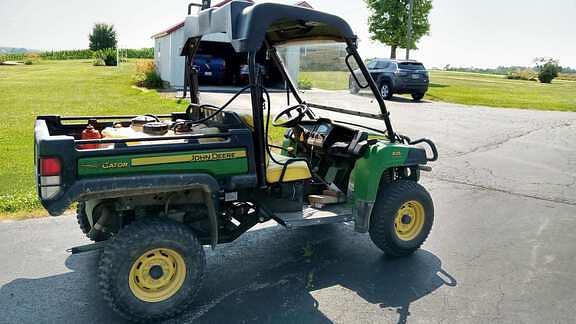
x: 58, y: 87
x: 477, y: 89
x: 61, y: 88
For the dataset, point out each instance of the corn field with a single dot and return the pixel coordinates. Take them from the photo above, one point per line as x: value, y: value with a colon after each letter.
x: 84, y: 54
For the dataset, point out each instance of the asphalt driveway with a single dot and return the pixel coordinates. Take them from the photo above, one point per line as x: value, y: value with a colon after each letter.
x: 501, y: 250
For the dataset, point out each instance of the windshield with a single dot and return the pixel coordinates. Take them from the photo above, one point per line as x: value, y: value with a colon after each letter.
x: 414, y: 66
x: 322, y: 76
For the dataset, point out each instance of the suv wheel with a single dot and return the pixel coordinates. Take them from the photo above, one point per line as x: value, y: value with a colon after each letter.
x: 417, y: 96
x: 354, y: 89
x: 386, y: 90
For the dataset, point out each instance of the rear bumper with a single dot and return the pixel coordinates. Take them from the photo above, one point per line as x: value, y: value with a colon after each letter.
x: 411, y: 87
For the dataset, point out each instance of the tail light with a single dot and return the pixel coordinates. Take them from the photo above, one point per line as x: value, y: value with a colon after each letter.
x: 50, y: 177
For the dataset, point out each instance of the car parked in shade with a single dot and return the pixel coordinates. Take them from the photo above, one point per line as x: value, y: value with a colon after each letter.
x: 394, y: 77
x: 211, y: 69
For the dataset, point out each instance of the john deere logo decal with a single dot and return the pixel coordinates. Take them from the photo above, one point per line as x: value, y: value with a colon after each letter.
x: 195, y: 157
x: 89, y: 166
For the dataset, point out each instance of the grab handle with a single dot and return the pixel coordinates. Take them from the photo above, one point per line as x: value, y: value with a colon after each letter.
x: 432, y: 146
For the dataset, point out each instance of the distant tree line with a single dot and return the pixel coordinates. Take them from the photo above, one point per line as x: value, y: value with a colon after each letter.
x: 323, y: 58
x: 545, y: 70
x: 86, y: 54
x: 502, y: 70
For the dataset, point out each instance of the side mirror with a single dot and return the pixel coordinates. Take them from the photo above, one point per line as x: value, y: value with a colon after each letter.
x: 360, y: 85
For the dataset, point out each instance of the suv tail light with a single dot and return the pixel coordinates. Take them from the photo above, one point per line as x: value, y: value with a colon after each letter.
x: 50, y: 177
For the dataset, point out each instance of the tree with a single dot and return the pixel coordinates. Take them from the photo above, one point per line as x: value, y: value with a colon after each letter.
x: 103, y: 36
x: 547, y: 68
x: 388, y: 22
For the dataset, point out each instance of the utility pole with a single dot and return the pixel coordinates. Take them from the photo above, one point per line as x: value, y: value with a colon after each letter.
x: 409, y: 34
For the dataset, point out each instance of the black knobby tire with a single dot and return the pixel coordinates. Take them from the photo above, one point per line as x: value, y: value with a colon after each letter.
x: 82, y: 219
x: 417, y: 96
x: 85, y: 226
x: 134, y: 242
x: 382, y: 223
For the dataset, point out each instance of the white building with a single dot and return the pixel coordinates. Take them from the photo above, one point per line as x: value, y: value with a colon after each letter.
x: 168, y: 46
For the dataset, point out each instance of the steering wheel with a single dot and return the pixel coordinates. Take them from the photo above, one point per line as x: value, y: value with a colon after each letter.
x: 290, y: 116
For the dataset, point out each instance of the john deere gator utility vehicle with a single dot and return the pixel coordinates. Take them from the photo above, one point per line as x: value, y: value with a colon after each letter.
x: 153, y: 190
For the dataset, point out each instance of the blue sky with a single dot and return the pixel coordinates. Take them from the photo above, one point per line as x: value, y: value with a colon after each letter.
x: 484, y: 33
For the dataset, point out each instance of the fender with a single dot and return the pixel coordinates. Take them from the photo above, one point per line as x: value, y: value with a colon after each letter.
x: 366, y: 177
x: 115, y: 187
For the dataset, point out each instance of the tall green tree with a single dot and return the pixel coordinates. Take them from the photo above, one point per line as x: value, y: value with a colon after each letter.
x: 103, y: 36
x: 388, y: 22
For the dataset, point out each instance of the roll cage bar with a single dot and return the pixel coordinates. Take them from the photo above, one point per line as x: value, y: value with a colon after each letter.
x: 255, y: 76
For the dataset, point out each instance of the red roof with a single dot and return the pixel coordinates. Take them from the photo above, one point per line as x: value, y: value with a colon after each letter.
x: 169, y: 30
x: 220, y: 4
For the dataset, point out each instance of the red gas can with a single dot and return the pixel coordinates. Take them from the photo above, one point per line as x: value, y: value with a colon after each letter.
x: 90, y: 133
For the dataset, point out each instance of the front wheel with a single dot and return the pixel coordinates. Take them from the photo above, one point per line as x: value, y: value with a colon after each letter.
x: 151, y: 270
x: 402, y: 218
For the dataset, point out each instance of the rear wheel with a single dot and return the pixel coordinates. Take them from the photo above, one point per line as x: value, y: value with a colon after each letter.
x: 151, y: 270
x: 417, y: 96
x: 386, y: 90
x: 402, y: 218
x: 85, y: 226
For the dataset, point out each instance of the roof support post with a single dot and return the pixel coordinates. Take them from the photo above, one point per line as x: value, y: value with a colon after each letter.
x: 260, y: 140
x: 352, y: 49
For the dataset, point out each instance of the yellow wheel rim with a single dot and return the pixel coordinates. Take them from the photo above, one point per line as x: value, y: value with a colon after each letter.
x: 157, y: 275
x: 409, y: 220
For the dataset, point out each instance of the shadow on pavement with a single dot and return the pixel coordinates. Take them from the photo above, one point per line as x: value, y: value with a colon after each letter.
x: 395, y: 98
x: 268, y: 276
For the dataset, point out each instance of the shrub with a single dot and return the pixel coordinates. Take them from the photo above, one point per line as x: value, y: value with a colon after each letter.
x: 98, y: 62
x: 548, y: 69
x: 108, y: 56
x: 146, y: 75
x: 548, y: 72
x: 31, y: 58
x: 304, y: 83
x: 525, y: 74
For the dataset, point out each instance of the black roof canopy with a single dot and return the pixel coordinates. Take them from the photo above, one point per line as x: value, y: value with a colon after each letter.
x: 247, y: 25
